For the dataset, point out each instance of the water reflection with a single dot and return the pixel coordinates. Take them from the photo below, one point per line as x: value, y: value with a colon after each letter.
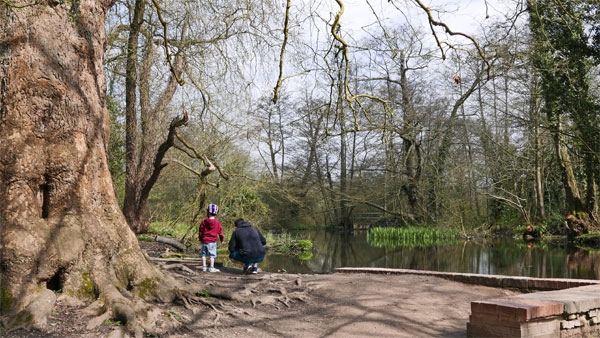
x: 498, y: 256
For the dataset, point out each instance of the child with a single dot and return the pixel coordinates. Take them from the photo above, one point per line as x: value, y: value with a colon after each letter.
x: 210, y: 229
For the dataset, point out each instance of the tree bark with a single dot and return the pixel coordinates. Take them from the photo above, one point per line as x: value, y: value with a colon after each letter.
x: 573, y: 201
x: 344, y: 219
x: 143, y: 166
x: 412, y: 160
x: 272, y: 152
x: 535, y: 116
x: 131, y: 140
x: 539, y: 189
x: 591, y: 186
x: 60, y: 224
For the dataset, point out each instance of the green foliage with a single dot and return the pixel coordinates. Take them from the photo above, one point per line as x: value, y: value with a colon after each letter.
x: 305, y: 255
x: 111, y: 323
x: 542, y: 228
x: 244, y: 202
x: 288, y: 244
x: 506, y: 217
x: 145, y: 237
x: 589, y: 240
x: 284, y: 206
x: 177, y: 197
x: 175, y: 230
x: 410, y: 237
x: 203, y: 293
x: 564, y: 55
x: 304, y: 244
x: 519, y: 230
x: 554, y: 223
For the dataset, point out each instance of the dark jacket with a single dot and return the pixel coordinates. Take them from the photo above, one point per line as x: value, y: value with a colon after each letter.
x: 247, y: 241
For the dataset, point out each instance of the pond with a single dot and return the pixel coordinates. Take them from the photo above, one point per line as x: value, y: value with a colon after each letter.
x: 492, y: 256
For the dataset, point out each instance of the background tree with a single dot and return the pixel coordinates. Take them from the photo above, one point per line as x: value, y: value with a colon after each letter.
x: 562, y: 55
x: 192, y: 39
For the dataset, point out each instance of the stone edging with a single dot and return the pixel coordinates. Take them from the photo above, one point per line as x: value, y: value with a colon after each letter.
x: 499, y: 281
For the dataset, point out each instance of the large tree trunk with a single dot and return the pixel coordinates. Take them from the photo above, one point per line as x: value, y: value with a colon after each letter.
x: 411, y: 153
x: 574, y: 204
x: 534, y: 114
x: 539, y: 190
x: 131, y: 139
x: 60, y: 223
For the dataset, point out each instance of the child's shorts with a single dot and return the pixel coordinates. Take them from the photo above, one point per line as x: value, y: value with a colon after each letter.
x: 209, y: 249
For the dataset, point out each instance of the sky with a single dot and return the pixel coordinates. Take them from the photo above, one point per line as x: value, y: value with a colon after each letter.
x: 360, y: 16
x: 460, y: 15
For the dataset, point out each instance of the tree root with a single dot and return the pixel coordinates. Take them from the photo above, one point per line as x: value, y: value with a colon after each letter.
x: 140, y: 312
x: 35, y: 314
x: 180, y: 267
x: 216, y: 320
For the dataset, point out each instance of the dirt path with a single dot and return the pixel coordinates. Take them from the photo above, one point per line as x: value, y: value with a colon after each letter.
x: 295, y: 305
x: 355, y: 305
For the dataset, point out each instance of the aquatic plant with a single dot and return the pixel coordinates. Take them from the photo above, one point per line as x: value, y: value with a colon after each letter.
x: 410, y: 237
x: 288, y: 244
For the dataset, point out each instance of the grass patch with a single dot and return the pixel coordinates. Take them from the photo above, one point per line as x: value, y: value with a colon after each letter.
x: 590, y: 240
x: 410, y: 237
x: 145, y: 237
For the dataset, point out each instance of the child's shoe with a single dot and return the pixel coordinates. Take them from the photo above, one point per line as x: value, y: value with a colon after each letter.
x: 213, y: 270
x: 254, y: 270
x: 204, y: 268
x: 246, y: 269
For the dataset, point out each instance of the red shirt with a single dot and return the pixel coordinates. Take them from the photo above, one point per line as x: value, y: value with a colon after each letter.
x: 210, y: 230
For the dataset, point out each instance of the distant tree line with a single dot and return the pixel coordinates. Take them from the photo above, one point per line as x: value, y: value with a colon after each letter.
x: 379, y: 131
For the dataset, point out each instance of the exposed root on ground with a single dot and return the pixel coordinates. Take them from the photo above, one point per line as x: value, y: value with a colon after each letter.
x: 148, y: 305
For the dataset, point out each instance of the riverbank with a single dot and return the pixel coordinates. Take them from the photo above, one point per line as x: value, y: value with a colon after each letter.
x: 304, y: 305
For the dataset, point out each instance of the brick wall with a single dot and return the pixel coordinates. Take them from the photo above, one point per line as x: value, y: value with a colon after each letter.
x: 512, y: 317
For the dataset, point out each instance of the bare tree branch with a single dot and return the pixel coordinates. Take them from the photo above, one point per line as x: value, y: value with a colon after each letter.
x: 285, y: 38
x: 433, y: 22
x: 166, y: 42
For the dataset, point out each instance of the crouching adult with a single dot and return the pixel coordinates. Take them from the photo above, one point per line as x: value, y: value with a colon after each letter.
x: 246, y: 246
